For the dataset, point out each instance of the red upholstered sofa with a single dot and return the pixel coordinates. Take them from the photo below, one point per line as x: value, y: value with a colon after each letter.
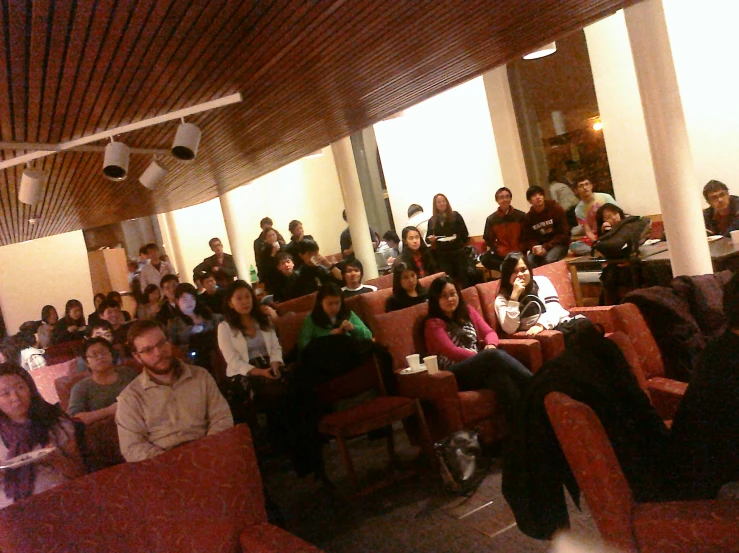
x: 203, y: 496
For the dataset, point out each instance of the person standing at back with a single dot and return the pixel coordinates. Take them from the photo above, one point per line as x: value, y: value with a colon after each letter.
x: 153, y: 271
x: 221, y: 265
x: 265, y: 224
x: 502, y: 231
x: 417, y: 218
x: 345, y: 240
x: 448, y: 234
x: 296, y: 235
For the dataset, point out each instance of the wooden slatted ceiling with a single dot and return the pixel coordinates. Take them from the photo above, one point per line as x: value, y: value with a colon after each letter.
x: 310, y: 73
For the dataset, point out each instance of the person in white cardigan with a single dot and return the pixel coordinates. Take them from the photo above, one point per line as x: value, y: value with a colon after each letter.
x: 526, y: 302
x: 247, y: 338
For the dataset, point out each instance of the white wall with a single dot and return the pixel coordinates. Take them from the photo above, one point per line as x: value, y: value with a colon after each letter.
x: 703, y: 40
x: 622, y: 115
x: 445, y: 145
x: 45, y: 271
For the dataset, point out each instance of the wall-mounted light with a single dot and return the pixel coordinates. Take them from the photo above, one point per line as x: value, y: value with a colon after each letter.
x: 32, y: 186
x: 153, y: 175
x: 541, y: 52
x: 186, y: 141
x: 115, y: 165
x: 598, y: 125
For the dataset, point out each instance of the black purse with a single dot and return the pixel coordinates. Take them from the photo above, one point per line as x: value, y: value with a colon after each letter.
x: 462, y: 464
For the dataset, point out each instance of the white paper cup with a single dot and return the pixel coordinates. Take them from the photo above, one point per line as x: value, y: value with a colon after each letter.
x: 735, y: 236
x: 432, y: 366
x: 414, y: 361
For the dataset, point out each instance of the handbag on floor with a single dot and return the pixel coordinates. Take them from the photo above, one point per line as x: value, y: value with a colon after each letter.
x: 462, y: 464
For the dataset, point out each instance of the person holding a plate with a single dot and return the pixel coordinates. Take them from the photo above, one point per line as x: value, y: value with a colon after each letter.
x: 38, y: 446
x: 448, y: 234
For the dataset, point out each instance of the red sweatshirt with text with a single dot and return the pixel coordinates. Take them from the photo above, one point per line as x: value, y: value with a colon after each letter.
x: 548, y: 228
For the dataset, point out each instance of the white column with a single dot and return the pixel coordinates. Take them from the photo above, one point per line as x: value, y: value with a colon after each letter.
x: 239, y: 248
x: 622, y: 115
x: 173, y: 245
x: 679, y: 196
x: 354, y: 204
x: 507, y: 137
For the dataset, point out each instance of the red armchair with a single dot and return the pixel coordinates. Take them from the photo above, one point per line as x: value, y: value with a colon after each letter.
x: 670, y: 527
x: 296, y: 305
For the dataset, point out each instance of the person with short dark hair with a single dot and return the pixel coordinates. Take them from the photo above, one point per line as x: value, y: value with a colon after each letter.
x: 502, y: 231
x: 345, y: 240
x: 193, y: 327
x: 705, y: 430
x: 390, y: 246
x: 97, y: 299
x: 265, y: 224
x: 352, y: 271
x: 586, y: 211
x: 407, y: 290
x: 316, y: 269
x: 155, y: 269
x: 722, y: 215
x: 545, y: 234
x: 418, y: 219
x: 94, y: 398
x: 72, y: 326
x: 296, y: 235
x: 221, y: 265
x: 286, y: 279
x: 448, y: 234
x: 211, y: 296
x: 110, y: 311
x: 151, y: 302
x: 168, y: 285
x: 116, y: 297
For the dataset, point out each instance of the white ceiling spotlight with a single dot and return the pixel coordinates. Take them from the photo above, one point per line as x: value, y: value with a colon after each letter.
x: 153, y: 175
x: 186, y: 141
x: 115, y: 166
x: 545, y: 50
x: 32, y: 186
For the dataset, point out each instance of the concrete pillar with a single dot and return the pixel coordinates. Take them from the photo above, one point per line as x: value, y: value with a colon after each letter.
x: 507, y: 137
x: 173, y: 247
x: 622, y: 115
x: 239, y: 247
x: 679, y: 197
x: 351, y: 191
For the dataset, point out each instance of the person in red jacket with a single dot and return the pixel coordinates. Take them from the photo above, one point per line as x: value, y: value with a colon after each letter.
x: 545, y: 234
x: 502, y: 231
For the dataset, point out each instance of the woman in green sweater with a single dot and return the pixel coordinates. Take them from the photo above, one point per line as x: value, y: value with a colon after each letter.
x: 331, y: 316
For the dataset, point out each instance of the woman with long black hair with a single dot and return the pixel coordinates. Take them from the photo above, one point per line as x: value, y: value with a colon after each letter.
x: 416, y: 254
x: 448, y: 234
x: 72, y: 326
x: 407, y: 291
x: 49, y: 318
x: 467, y: 347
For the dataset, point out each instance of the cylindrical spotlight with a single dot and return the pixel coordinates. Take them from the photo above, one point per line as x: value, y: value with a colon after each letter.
x: 32, y: 186
x: 153, y: 174
x: 115, y: 166
x: 186, y: 141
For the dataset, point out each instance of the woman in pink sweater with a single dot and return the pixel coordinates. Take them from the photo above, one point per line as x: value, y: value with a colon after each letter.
x: 466, y: 346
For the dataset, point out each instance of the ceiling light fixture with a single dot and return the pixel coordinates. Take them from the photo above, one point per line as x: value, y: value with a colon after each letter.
x: 115, y: 165
x: 32, y: 186
x: 541, y: 52
x: 186, y: 141
x: 153, y: 175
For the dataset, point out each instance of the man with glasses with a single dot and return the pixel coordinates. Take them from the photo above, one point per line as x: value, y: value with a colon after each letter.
x: 502, y: 231
x: 221, y: 265
x: 723, y: 215
x: 170, y: 403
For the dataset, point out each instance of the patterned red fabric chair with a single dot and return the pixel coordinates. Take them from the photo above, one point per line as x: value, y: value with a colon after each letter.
x: 63, y: 386
x: 45, y: 377
x: 296, y: 305
x: 203, y: 496
x: 59, y: 353
x: 670, y: 527
x: 288, y: 330
x: 381, y: 283
x: 446, y: 408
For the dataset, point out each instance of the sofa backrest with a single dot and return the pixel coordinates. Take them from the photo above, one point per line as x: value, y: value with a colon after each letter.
x: 296, y: 305
x: 627, y: 348
x: 487, y: 292
x: 44, y: 377
x: 559, y: 274
x: 197, y: 497
x: 288, y: 330
x: 381, y: 283
x: 64, y: 384
x: 472, y: 298
x: 630, y: 321
x: 402, y: 333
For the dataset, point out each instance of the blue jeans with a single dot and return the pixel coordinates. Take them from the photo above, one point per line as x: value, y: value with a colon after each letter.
x: 580, y: 248
x: 495, y: 370
x: 555, y: 254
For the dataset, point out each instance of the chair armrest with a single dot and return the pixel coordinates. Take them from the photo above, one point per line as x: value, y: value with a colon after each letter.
x: 427, y: 386
x: 666, y: 395
x: 682, y: 526
x: 266, y: 538
x: 525, y: 350
x: 552, y: 342
x: 602, y: 315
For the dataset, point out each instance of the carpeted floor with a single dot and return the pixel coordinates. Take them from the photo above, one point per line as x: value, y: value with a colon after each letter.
x: 413, y: 515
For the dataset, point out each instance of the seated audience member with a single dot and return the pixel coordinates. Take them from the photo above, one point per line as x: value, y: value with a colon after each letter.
x: 116, y: 297
x: 316, y: 269
x: 170, y: 403
x: 418, y: 219
x: 447, y: 234
x: 526, y: 302
x: 390, y: 246
x: 502, y: 231
x: 155, y: 269
x: 407, y: 291
x: 220, y: 265
x: 212, y: 296
x: 192, y: 330
x: 545, y: 234
x: 345, y: 240
x: 149, y: 308
x: 585, y: 212
x: 563, y: 195
x: 467, y: 347
x: 49, y: 318
x: 723, y: 214
x: 28, y: 423
x: 286, y: 279
x: 94, y: 398
x: 110, y: 311
x: 705, y: 430
x: 296, y: 235
x: 97, y: 300
x: 617, y: 276
x: 72, y: 326
x: 168, y: 285
x: 266, y: 260
x: 416, y: 253
x: 352, y: 271
x: 331, y: 316
x: 265, y: 224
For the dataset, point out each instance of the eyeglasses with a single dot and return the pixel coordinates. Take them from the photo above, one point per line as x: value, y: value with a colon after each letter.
x: 449, y: 296
x: 149, y: 349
